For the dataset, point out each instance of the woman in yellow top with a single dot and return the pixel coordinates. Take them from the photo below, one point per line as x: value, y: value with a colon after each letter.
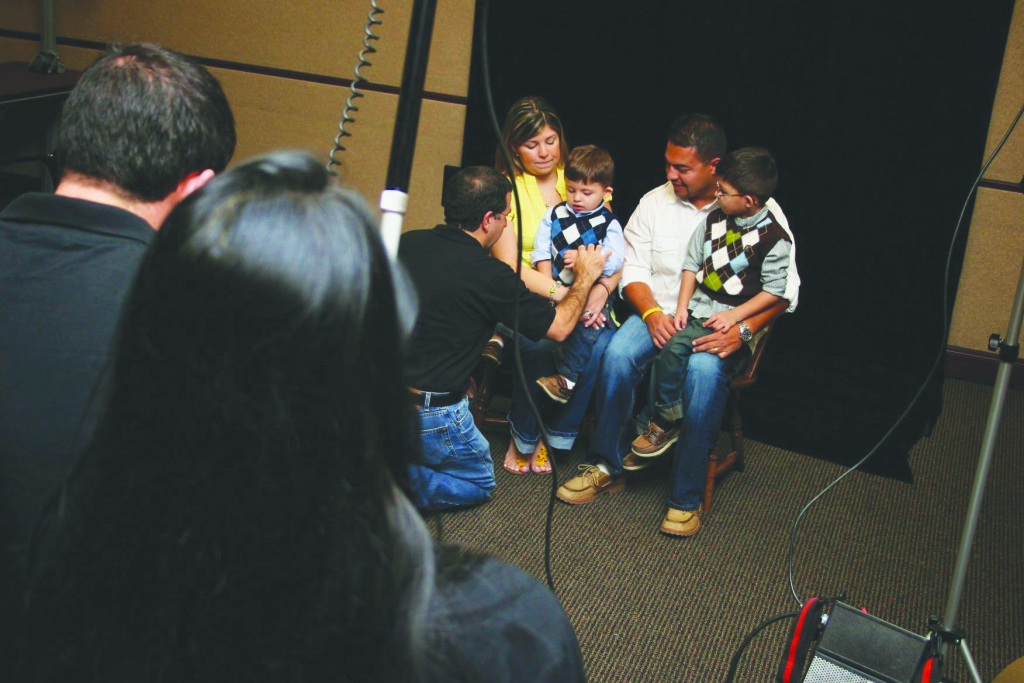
x: 535, y: 141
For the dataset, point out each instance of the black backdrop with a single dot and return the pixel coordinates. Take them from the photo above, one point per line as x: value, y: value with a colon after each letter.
x: 877, y: 113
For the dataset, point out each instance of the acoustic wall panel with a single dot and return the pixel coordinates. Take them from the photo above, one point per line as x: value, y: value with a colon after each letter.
x: 277, y: 54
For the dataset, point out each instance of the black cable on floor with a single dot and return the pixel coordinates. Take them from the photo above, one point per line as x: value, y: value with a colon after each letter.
x: 753, y: 634
x: 520, y: 373
x: 931, y: 372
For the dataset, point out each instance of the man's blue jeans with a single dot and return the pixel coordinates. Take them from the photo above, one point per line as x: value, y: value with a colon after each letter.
x: 561, y: 421
x: 705, y: 392
x: 457, y: 467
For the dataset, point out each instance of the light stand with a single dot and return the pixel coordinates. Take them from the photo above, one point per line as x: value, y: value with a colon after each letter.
x: 395, y: 197
x: 47, y: 61
x: 1008, y: 349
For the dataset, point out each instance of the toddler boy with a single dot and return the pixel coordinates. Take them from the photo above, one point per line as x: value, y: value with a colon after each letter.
x: 580, y: 220
x: 735, y: 267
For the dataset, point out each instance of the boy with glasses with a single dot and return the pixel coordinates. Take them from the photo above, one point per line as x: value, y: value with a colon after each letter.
x: 735, y: 267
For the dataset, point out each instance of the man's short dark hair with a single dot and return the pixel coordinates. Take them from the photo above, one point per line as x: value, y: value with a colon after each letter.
x: 590, y: 164
x: 701, y: 132
x: 471, y: 193
x: 143, y: 118
x: 751, y: 170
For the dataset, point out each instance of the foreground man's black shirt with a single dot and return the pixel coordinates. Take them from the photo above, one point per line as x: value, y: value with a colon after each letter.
x: 65, y: 268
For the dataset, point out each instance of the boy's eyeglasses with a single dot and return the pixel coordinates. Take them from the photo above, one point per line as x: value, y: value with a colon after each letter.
x: 720, y: 194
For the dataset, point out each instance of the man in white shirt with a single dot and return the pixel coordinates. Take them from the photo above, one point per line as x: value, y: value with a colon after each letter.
x: 656, y: 239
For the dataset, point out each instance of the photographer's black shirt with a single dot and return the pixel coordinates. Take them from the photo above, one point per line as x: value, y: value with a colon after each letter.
x: 463, y: 293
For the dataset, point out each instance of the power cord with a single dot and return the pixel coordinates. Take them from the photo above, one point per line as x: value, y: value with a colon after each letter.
x: 520, y: 373
x: 734, y: 664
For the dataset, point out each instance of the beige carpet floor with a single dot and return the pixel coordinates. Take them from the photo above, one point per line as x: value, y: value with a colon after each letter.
x: 647, y: 607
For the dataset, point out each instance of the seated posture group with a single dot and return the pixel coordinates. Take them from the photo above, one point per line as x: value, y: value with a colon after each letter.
x: 705, y: 262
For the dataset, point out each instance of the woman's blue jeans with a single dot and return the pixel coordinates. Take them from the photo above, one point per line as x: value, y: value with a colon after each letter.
x: 562, y: 421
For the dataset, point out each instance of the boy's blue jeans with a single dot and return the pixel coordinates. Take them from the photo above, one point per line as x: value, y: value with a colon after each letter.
x: 665, y: 391
x: 572, y: 355
x: 563, y: 422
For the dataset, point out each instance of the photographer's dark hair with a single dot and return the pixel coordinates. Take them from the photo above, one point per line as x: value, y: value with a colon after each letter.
x: 143, y: 118
x: 238, y: 515
x: 751, y: 170
x: 471, y: 193
x: 701, y: 132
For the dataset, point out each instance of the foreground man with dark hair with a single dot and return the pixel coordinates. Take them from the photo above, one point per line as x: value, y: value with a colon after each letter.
x: 143, y: 129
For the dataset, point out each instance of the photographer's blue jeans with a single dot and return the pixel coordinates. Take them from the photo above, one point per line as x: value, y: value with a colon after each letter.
x: 457, y: 468
x: 704, y: 394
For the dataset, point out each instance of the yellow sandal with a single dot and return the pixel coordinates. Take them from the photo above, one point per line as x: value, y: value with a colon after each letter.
x: 522, y: 466
x: 541, y: 460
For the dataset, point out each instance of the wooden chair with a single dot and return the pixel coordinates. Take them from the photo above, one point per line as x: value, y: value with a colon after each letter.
x: 488, y: 408
x: 718, y: 466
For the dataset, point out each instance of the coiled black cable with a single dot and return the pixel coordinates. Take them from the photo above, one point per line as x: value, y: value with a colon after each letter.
x: 350, y: 106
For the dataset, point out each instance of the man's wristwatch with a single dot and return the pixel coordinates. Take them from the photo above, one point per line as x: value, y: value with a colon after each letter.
x: 746, y: 334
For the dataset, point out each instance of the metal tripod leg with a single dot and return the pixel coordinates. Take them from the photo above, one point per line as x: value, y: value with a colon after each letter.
x: 972, y: 668
x: 1008, y: 352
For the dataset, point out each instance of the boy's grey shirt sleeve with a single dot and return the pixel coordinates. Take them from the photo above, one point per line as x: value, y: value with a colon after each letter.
x: 775, y: 269
x: 695, y: 249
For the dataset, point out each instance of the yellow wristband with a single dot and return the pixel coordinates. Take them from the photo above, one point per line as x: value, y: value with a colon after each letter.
x: 551, y: 293
x: 646, y: 313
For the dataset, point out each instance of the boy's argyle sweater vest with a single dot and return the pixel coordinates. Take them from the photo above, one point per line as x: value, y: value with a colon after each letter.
x: 569, y: 231
x: 731, y: 271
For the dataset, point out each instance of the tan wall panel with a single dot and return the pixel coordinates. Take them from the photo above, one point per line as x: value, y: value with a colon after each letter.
x: 989, y: 279
x: 277, y: 113
x: 1009, y: 165
x: 17, y: 50
x: 996, y: 243
x: 303, y: 35
x: 25, y: 50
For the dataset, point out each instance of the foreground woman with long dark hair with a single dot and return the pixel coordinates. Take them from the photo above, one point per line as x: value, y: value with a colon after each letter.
x: 239, y: 515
